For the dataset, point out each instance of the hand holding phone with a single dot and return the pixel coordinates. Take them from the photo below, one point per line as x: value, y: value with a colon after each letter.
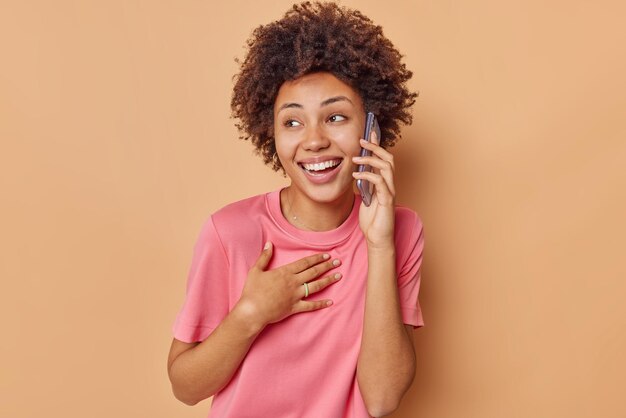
x: 364, y: 186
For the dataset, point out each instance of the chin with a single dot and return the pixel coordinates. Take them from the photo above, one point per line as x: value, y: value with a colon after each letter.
x: 328, y: 193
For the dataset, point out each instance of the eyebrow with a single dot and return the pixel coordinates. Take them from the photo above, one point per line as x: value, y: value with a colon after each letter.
x: 324, y: 103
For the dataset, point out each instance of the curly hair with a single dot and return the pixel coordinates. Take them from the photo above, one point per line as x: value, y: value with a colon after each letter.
x: 314, y: 37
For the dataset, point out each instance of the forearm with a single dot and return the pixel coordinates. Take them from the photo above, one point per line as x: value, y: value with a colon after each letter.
x: 200, y: 372
x: 386, y: 364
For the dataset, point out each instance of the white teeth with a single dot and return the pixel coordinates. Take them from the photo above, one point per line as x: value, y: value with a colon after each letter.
x: 321, y: 166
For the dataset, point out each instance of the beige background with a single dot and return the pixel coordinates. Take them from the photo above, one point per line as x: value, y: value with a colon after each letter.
x: 117, y: 144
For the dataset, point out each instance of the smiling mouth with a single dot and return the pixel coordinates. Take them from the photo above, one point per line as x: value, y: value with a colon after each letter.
x: 320, y: 168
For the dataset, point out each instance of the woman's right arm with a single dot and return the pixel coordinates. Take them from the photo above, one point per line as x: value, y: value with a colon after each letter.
x: 199, y: 370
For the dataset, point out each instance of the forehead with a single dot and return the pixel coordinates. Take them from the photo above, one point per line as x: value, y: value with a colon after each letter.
x: 312, y: 89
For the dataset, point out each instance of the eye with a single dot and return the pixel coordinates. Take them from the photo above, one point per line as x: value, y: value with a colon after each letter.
x: 337, y: 118
x: 291, y: 123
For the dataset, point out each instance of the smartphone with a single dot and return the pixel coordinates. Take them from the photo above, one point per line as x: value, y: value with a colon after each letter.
x: 364, y: 186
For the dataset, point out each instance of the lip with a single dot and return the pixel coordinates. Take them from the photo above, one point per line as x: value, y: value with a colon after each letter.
x: 324, y: 177
x: 316, y: 160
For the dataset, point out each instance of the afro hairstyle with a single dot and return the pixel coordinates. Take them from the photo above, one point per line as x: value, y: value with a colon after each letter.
x: 315, y: 37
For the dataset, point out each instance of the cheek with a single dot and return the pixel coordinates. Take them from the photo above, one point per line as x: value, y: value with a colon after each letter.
x: 350, y: 143
x: 284, y: 148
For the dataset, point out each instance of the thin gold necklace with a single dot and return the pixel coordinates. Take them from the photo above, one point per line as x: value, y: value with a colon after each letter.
x: 295, y: 218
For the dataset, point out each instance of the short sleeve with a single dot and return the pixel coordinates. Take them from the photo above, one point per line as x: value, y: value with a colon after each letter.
x: 409, y: 271
x: 206, y: 300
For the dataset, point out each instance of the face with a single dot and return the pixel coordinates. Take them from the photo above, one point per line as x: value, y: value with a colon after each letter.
x: 318, y: 120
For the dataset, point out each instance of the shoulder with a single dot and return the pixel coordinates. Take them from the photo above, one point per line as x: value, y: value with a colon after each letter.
x: 408, y: 223
x: 240, y: 211
x: 239, y: 222
x: 409, y: 256
x: 409, y: 234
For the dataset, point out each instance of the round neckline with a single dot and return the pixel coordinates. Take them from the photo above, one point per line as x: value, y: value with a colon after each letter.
x: 319, y: 238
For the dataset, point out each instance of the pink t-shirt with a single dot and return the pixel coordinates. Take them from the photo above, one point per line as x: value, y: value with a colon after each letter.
x: 305, y: 365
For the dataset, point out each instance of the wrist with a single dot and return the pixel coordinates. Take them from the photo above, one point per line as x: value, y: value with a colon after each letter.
x: 381, y: 247
x: 247, y: 318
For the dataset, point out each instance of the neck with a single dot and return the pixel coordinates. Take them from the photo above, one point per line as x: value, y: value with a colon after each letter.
x: 304, y: 213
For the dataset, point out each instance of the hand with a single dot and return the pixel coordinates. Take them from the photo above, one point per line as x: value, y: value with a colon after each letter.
x: 377, y: 220
x: 272, y: 295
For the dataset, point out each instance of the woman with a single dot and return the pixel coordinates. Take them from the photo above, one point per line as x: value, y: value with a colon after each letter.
x: 320, y: 323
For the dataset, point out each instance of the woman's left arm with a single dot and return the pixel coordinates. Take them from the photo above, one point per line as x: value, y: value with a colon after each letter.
x: 386, y: 364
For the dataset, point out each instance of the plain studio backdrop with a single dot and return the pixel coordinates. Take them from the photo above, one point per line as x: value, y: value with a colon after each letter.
x: 116, y: 144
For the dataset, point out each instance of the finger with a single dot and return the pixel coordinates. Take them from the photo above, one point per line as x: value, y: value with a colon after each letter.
x: 311, y: 305
x: 266, y: 255
x: 379, y: 151
x: 374, y: 138
x: 306, y: 263
x: 375, y: 162
x: 317, y: 270
x: 383, y: 194
x: 317, y: 285
x: 383, y: 167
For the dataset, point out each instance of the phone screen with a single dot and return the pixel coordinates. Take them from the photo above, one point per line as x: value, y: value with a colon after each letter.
x: 364, y: 186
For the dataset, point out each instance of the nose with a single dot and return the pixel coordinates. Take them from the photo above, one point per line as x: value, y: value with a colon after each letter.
x: 315, y: 139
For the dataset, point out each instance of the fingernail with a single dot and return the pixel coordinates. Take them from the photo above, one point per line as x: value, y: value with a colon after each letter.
x: 326, y: 256
x: 337, y: 276
x: 336, y: 263
x: 267, y: 245
x: 329, y: 302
